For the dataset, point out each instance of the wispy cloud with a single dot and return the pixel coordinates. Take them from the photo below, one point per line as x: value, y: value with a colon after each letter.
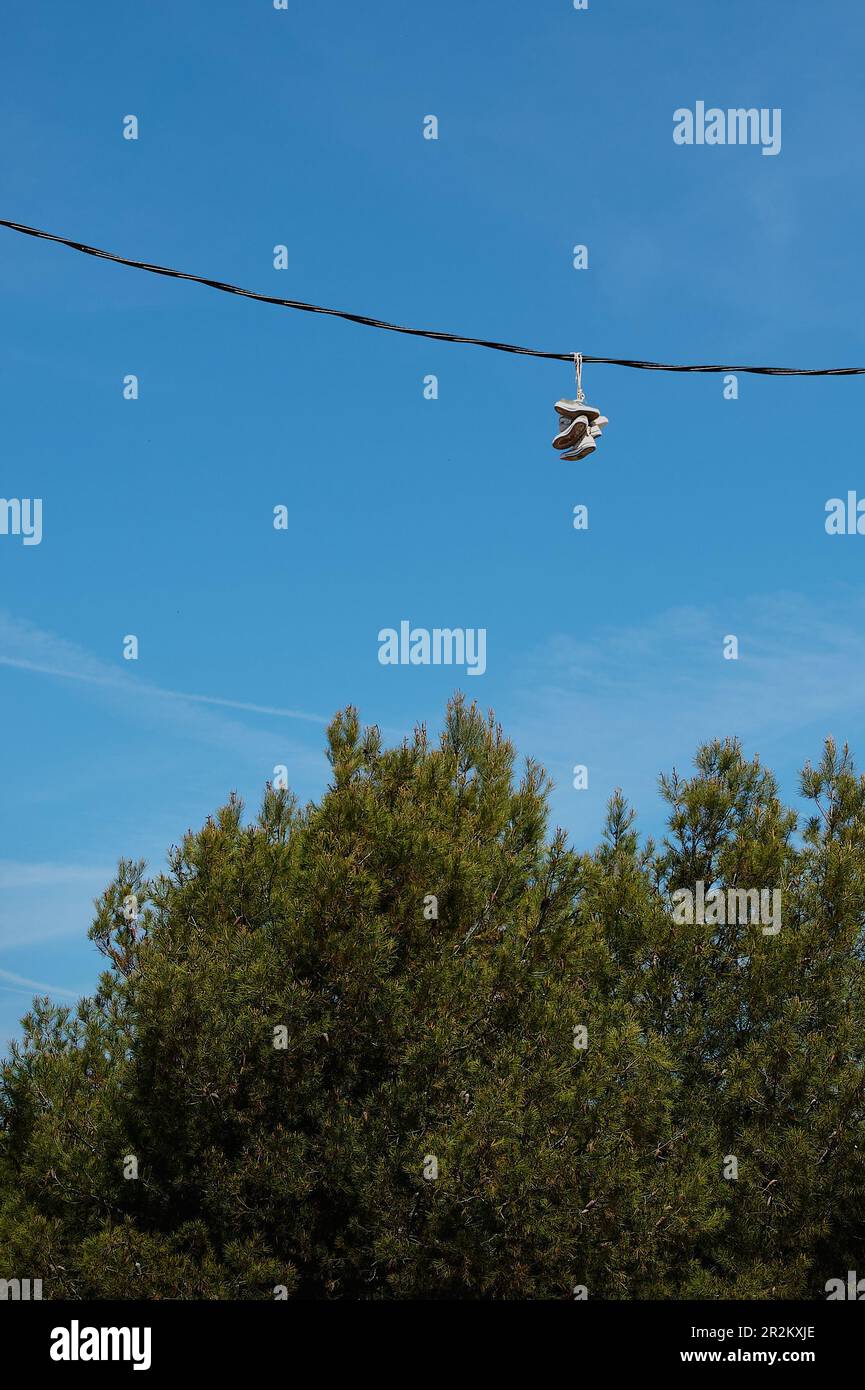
x: 127, y: 684
x: 15, y: 874
x: 41, y: 902
x: 27, y: 985
x: 33, y: 651
x: 634, y: 701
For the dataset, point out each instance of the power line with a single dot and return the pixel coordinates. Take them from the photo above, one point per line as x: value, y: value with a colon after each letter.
x: 421, y: 332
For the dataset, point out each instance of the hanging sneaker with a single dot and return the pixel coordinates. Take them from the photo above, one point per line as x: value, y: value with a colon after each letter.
x: 570, y: 409
x: 571, y: 432
x: 583, y: 449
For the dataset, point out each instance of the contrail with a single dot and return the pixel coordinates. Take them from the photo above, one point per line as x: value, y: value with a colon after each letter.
x: 133, y: 688
x: 39, y: 984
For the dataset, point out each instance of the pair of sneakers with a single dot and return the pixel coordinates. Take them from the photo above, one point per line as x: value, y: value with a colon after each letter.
x: 579, y: 426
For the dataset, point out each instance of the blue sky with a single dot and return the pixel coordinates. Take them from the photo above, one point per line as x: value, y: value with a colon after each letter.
x: 304, y: 128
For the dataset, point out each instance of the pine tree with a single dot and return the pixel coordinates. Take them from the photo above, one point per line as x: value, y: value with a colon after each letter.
x: 406, y: 1043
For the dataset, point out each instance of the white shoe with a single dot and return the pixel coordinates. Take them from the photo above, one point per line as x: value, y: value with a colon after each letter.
x: 583, y: 449
x: 570, y: 409
x: 571, y: 432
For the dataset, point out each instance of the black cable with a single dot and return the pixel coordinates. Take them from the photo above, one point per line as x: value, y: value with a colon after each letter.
x: 422, y: 332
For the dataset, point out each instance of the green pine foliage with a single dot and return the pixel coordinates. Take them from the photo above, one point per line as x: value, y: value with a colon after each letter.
x: 427, y: 952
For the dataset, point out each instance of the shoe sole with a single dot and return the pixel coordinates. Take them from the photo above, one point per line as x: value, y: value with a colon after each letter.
x: 569, y: 410
x: 571, y: 433
x: 587, y: 447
